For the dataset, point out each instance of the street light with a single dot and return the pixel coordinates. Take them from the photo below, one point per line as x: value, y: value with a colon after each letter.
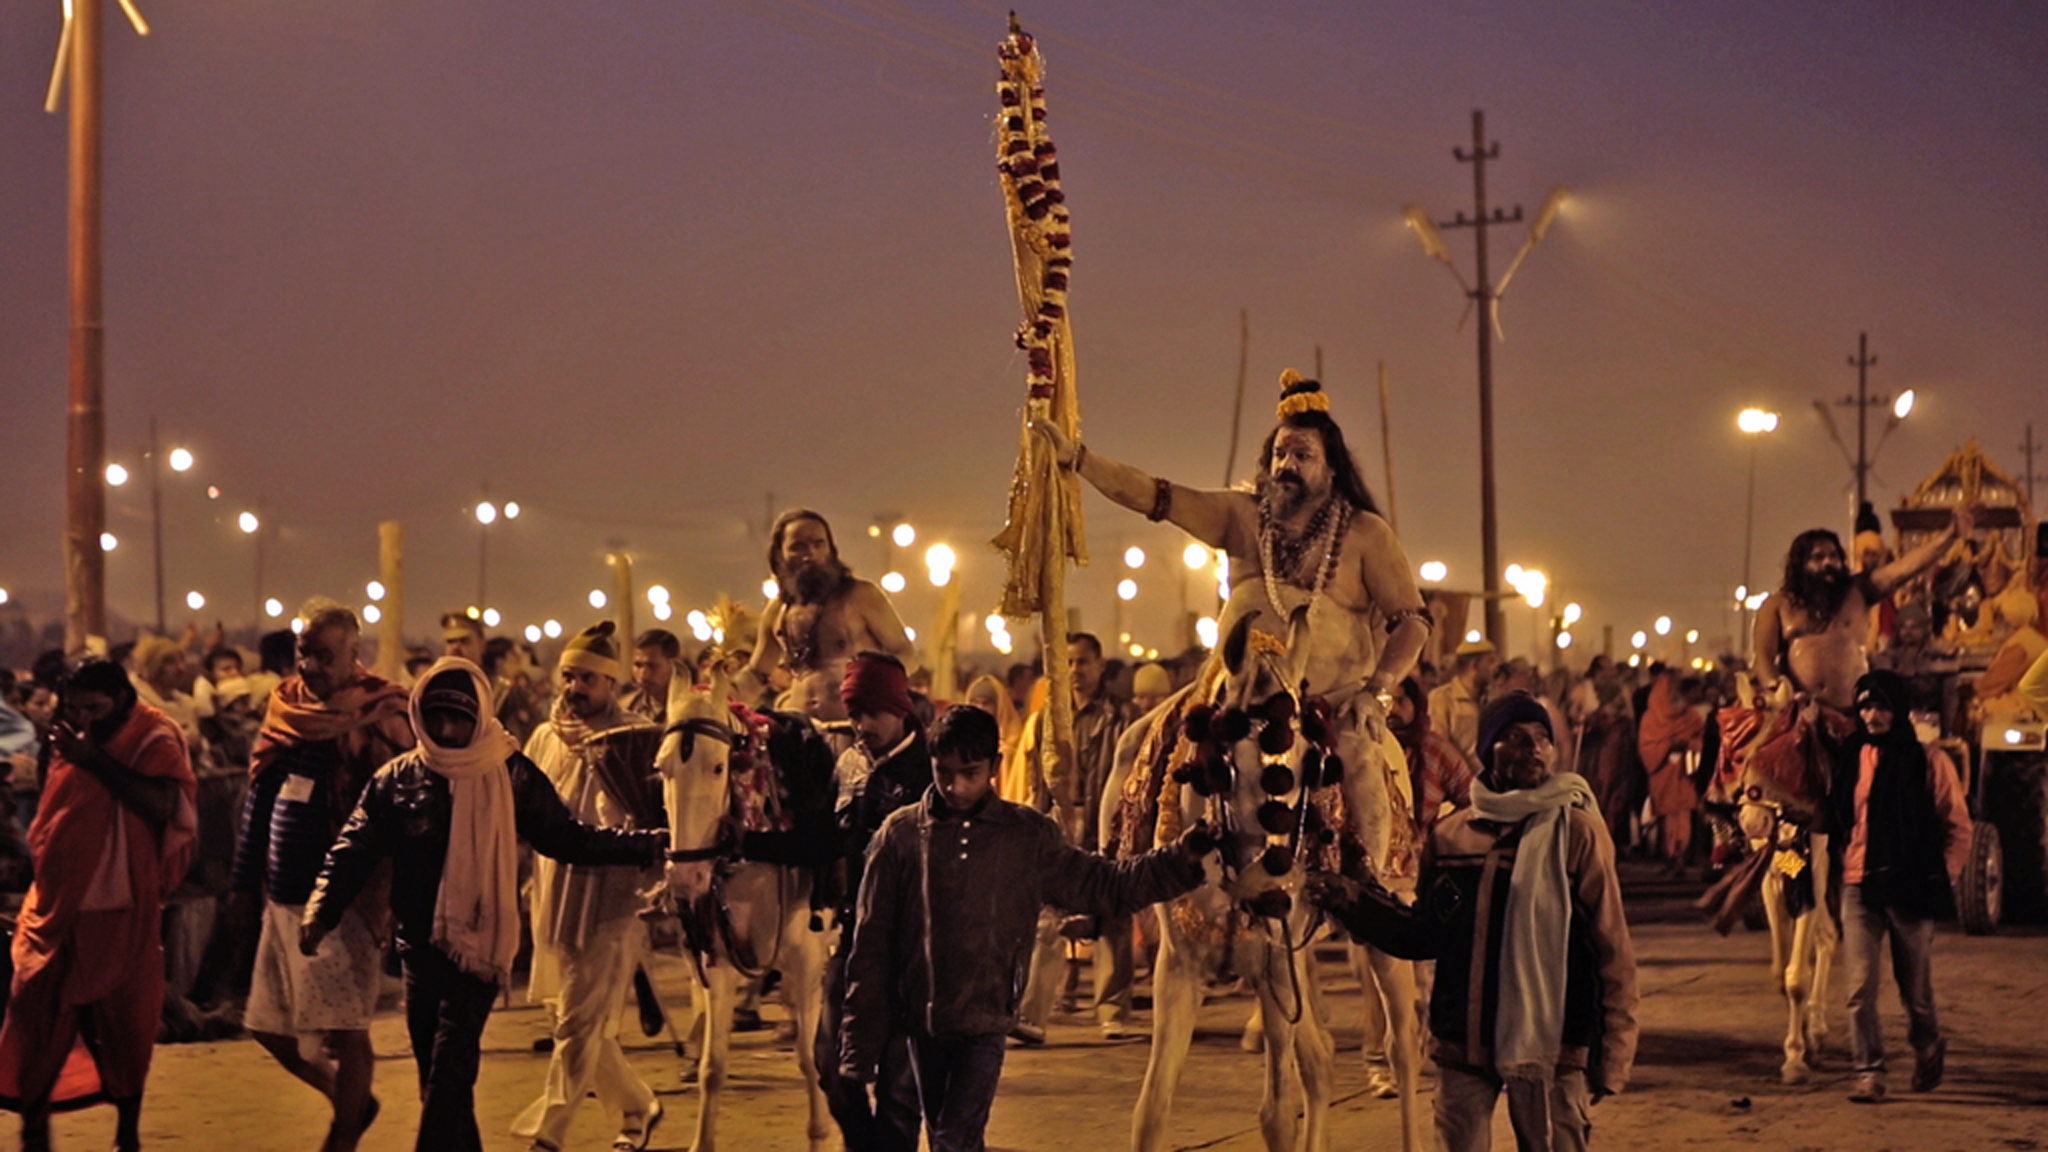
x: 893, y: 582
x: 1127, y: 589
x: 194, y: 601
x: 116, y: 475
x: 1663, y: 625
x: 181, y: 460
x: 904, y: 535
x: 770, y: 589
x: 1134, y: 557
x: 1433, y: 571
x: 108, y: 542
x: 248, y: 523
x: 1755, y: 423
x: 1638, y: 640
x: 273, y: 607
x: 597, y: 598
x: 1195, y: 556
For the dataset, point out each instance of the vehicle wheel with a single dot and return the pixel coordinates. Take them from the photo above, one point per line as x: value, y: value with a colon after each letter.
x: 1981, y: 900
x: 2015, y: 797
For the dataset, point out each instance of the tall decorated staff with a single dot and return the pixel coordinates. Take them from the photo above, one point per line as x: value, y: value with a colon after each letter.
x: 1043, y: 530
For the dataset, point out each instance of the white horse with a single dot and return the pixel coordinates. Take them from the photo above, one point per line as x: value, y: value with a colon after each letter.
x: 1254, y: 922
x: 741, y: 917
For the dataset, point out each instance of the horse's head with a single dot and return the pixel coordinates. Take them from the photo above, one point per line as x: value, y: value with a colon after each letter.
x: 695, y: 761
x: 1257, y: 738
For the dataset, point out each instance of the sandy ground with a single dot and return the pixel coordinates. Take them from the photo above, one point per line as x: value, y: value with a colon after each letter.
x: 1706, y: 1076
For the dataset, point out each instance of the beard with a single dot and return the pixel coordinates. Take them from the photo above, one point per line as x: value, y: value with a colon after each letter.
x: 1283, y: 494
x: 813, y: 583
x: 1822, y: 593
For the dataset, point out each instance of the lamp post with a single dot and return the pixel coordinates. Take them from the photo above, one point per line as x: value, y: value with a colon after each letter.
x: 1754, y: 423
x: 1866, y: 453
x: 488, y: 514
x: 1486, y: 297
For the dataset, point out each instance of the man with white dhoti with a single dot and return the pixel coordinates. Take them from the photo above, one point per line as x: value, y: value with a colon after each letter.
x: 586, y: 933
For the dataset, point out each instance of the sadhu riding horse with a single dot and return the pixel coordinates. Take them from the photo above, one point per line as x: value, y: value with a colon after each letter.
x: 745, y: 793
x: 1290, y: 787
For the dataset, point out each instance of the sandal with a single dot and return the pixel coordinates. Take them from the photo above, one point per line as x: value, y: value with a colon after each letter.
x: 631, y: 1139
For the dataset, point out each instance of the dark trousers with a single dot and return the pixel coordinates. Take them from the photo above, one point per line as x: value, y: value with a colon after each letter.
x: 445, y: 1011
x: 956, y: 1079
x: 889, y: 1123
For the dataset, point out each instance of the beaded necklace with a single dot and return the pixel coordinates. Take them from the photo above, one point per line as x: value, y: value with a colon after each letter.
x: 1333, y: 519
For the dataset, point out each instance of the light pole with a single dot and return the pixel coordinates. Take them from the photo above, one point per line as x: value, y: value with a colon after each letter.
x: 1866, y: 453
x: 1755, y: 423
x: 1486, y: 296
x: 487, y: 514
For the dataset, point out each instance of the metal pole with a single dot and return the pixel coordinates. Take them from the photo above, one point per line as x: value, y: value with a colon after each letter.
x: 156, y: 520
x: 391, y: 626
x: 1387, y: 451
x: 85, y: 563
x: 1748, y: 548
x: 262, y: 526
x: 1489, y: 525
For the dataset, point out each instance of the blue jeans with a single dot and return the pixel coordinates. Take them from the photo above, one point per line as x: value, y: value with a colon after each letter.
x: 1863, y: 933
x: 956, y: 1079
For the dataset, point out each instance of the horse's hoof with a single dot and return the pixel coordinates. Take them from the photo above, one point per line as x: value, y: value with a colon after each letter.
x: 1794, y: 1074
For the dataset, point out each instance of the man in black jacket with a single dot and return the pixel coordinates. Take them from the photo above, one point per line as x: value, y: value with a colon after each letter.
x: 1908, y: 839
x: 948, y: 915
x: 888, y: 766
x: 448, y: 815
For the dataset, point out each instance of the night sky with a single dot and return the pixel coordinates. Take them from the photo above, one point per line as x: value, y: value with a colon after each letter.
x: 639, y: 265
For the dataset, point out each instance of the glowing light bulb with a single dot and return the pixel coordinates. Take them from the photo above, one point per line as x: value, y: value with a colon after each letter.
x: 1639, y: 639
x: 1127, y: 589
x: 1433, y: 571
x: 1194, y: 556
x: 904, y: 535
x: 1134, y: 557
x: 181, y: 460
x: 597, y: 598
x: 194, y: 601
x: 375, y: 589
x: 372, y: 613
x: 1663, y: 625
x: 533, y: 633
x: 273, y: 607
x: 248, y: 523
x: 893, y: 582
x: 770, y: 588
x: 108, y: 542
x: 491, y: 617
x: 116, y: 475
x: 486, y: 513
x: 1572, y: 612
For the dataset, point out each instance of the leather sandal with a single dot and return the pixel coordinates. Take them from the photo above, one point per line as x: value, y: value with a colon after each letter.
x: 631, y: 1139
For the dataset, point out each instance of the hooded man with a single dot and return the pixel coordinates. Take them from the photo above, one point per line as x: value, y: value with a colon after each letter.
x: 888, y: 766
x: 449, y: 816
x: 1907, y: 844
x: 325, y: 732
x: 110, y: 840
x: 1520, y: 906
x: 587, y: 935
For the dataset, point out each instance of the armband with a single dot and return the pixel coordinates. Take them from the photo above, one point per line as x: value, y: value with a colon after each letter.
x: 1419, y: 615
x: 1162, y: 500
x: 1080, y: 455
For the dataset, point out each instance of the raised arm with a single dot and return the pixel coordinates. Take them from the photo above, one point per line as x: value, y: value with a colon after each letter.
x: 1887, y: 579
x: 1098, y: 886
x: 1216, y: 517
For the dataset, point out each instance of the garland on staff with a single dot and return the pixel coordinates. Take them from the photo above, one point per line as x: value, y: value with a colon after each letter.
x: 1043, y: 531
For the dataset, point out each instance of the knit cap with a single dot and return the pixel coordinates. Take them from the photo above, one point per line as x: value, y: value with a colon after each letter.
x: 595, y: 649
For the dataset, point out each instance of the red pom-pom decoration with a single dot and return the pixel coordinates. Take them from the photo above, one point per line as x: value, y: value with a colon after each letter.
x: 1231, y: 725
x: 1277, y: 780
x: 1276, y: 817
x: 1196, y: 727
x: 1276, y: 737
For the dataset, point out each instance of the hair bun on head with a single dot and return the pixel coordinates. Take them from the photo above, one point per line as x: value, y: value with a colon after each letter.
x: 1298, y: 395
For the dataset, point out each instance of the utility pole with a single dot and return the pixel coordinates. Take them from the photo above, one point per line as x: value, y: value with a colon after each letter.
x: 1482, y: 294
x: 1862, y: 362
x: 85, y: 562
x: 2028, y: 449
x: 156, y: 520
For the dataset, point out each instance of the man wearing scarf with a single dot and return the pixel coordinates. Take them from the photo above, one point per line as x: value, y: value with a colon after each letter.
x: 110, y: 840
x: 1535, y: 990
x: 326, y: 731
x: 448, y: 815
x: 1908, y: 840
x: 587, y: 935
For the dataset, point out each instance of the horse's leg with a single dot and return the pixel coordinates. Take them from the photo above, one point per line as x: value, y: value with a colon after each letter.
x: 1378, y: 1076
x: 1176, y: 1000
x: 1315, y: 1055
x: 721, y: 990
x: 1796, y: 975
x: 802, y: 963
x: 1253, y: 1038
x: 1395, y: 979
x: 1825, y: 938
x: 1279, y: 1122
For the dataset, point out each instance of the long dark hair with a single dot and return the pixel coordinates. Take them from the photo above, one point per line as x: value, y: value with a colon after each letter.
x: 781, y: 529
x: 1345, y: 477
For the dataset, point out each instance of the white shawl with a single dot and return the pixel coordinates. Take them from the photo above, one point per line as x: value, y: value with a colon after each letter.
x: 1529, y: 1027
x: 476, y: 914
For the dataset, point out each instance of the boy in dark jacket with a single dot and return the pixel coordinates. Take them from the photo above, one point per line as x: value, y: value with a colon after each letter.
x: 947, y: 918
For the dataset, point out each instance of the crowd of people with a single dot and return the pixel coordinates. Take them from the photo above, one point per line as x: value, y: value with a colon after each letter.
x: 207, y: 840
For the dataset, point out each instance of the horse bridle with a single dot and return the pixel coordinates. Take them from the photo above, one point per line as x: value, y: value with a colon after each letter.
x: 727, y: 840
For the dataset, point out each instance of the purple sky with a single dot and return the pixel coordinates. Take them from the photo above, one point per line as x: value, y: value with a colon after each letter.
x: 637, y: 265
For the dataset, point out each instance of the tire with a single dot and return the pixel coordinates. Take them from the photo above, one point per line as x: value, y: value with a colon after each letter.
x: 1980, y: 901
x: 2015, y: 798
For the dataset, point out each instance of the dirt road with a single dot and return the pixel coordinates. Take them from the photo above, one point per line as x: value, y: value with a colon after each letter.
x: 1706, y: 1077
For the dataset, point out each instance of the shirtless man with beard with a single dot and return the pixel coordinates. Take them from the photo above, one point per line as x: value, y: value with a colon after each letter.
x: 1814, y: 627
x: 1308, y: 535
x: 821, y: 617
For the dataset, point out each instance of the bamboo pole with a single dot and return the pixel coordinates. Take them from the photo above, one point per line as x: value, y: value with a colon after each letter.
x: 1387, y: 451
x: 391, y: 625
